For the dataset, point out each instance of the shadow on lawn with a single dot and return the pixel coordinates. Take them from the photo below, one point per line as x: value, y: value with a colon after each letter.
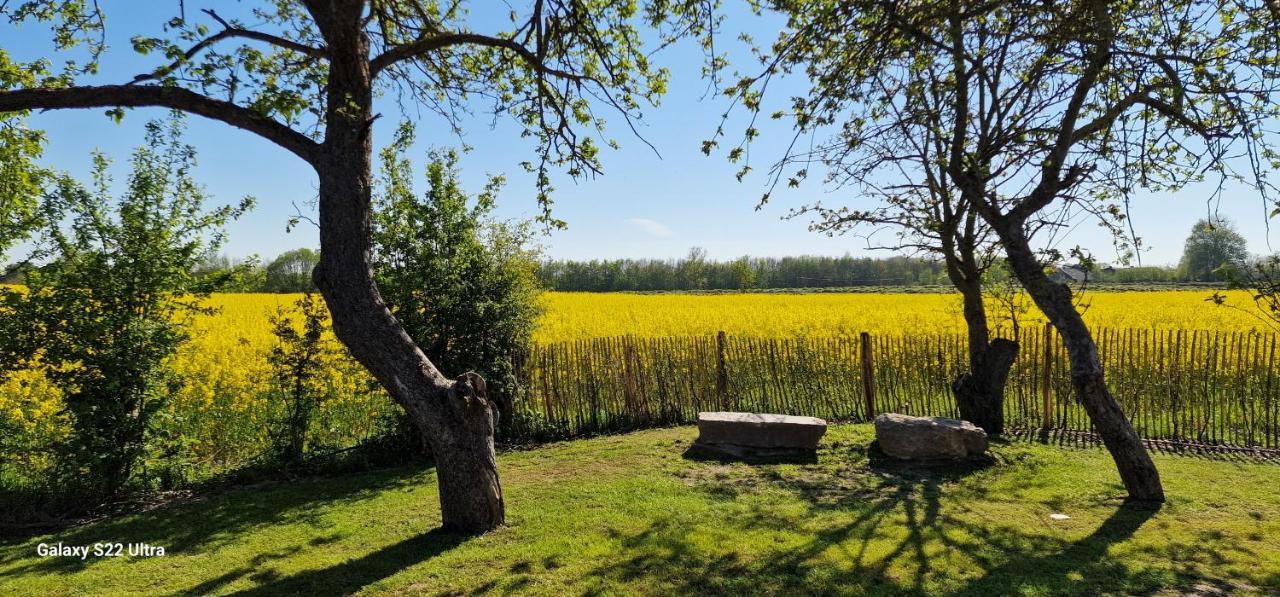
x: 347, y: 577
x: 1062, y: 566
x: 874, y: 526
x: 206, y: 523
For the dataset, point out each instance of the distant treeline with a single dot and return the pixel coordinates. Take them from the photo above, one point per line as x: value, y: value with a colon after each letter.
x: 758, y: 273
x: 696, y: 273
x: 291, y: 272
x: 1144, y: 275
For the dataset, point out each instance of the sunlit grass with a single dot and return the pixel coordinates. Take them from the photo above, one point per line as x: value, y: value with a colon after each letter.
x: 627, y: 514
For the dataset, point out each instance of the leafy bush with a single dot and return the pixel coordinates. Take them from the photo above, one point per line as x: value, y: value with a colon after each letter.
x: 110, y: 303
x: 463, y: 284
x: 297, y: 363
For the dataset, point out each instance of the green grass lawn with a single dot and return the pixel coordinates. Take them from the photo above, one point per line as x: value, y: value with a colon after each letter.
x: 629, y: 514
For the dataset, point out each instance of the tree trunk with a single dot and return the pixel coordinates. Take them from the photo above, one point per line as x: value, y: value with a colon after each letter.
x: 456, y: 417
x: 980, y: 392
x: 975, y: 315
x: 470, y: 492
x: 1137, y: 471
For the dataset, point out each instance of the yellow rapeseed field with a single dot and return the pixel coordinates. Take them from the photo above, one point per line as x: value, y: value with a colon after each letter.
x: 224, y: 403
x: 225, y: 408
x: 585, y: 315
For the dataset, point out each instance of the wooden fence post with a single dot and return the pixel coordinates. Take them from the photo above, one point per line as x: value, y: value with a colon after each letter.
x: 722, y: 371
x: 868, y: 377
x: 1046, y: 390
x: 630, y: 389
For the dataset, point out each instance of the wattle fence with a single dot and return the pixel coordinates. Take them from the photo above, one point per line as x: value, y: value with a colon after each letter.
x: 1179, y: 387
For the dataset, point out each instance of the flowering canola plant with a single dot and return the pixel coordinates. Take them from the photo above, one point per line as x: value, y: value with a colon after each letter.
x: 572, y: 316
x: 224, y: 409
x: 222, y: 413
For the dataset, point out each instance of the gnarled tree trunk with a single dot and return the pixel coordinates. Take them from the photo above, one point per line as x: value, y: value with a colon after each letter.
x: 980, y: 392
x: 1137, y: 471
x: 470, y: 492
x: 456, y: 416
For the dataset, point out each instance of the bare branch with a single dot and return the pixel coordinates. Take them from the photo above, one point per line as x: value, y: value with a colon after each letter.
x: 438, y: 42
x: 274, y: 40
x: 229, y: 31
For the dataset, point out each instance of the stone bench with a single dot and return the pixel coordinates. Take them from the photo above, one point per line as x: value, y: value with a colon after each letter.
x: 928, y: 438
x: 757, y: 435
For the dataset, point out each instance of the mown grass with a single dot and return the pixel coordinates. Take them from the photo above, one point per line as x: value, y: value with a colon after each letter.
x: 628, y: 514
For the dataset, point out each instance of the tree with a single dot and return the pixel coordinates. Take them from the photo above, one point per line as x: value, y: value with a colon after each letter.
x: 111, y: 302
x: 741, y: 273
x: 306, y: 79
x: 1210, y: 247
x: 922, y: 207
x: 1051, y: 106
x: 692, y: 269
x: 462, y: 284
x: 291, y: 271
x: 1115, y: 100
x: 233, y: 275
x: 297, y: 360
x: 20, y: 179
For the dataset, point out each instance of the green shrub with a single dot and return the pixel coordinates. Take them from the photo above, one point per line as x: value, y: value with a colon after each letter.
x: 297, y: 361
x: 463, y: 284
x: 110, y: 303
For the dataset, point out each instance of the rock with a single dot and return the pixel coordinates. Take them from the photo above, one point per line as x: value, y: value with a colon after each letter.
x: 743, y: 435
x: 928, y: 438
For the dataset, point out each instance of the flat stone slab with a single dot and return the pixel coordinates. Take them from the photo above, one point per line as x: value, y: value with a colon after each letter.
x: 759, y: 433
x: 928, y: 438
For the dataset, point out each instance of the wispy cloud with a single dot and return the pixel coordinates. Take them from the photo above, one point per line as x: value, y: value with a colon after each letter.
x: 652, y: 227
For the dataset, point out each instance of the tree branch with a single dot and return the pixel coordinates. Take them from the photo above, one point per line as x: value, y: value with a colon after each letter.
x: 221, y: 35
x: 177, y: 98
x: 444, y: 40
x: 1170, y: 111
x: 233, y: 31
x: 229, y: 31
x: 1051, y: 170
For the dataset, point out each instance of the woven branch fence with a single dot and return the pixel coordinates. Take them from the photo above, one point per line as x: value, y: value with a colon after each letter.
x: 1202, y: 387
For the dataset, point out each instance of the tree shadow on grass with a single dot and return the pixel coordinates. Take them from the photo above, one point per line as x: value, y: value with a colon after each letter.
x: 704, y: 453
x: 668, y: 555
x: 350, y: 576
x: 879, y: 526
x: 860, y: 497
x: 1080, y: 566
x: 209, y: 522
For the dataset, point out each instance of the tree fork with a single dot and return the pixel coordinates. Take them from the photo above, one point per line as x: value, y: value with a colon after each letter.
x: 980, y: 393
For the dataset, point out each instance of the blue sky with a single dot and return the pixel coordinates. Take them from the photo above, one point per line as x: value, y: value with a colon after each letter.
x: 643, y: 206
